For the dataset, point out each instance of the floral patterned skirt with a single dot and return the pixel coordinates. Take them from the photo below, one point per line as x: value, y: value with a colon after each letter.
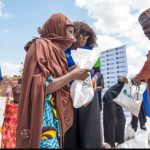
x: 50, y: 137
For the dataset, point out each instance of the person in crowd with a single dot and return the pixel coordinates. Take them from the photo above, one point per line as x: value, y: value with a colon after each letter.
x: 1, y: 77
x: 113, y: 115
x: 45, y: 109
x: 100, y: 86
x: 146, y: 104
x: 8, y: 92
x: 10, y: 119
x: 85, y: 132
x: 144, y: 74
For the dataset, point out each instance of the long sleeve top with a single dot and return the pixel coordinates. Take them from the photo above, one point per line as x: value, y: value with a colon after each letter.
x: 113, y: 92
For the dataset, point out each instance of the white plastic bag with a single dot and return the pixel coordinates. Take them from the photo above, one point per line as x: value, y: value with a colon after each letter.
x: 82, y: 91
x: 129, y: 132
x: 130, y: 98
x: 140, y: 141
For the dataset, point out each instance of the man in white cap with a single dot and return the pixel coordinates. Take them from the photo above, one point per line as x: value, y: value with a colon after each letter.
x: 144, y: 74
x: 144, y: 20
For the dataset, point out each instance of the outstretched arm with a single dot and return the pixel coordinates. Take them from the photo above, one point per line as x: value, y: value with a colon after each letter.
x: 75, y: 74
x: 144, y: 74
x: 113, y: 91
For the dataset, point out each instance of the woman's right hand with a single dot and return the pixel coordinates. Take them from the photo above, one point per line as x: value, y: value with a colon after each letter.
x: 80, y: 74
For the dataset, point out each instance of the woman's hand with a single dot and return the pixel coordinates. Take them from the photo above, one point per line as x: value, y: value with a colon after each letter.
x: 75, y: 74
x: 87, y: 104
x: 94, y: 82
x: 80, y: 74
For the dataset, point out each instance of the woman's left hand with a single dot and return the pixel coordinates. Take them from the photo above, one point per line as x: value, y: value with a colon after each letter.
x: 87, y: 104
x: 94, y: 82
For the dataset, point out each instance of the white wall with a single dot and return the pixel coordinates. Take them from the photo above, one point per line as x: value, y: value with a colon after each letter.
x: 114, y: 64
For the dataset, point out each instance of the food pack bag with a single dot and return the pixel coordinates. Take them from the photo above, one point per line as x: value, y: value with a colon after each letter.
x: 140, y: 141
x: 130, y: 98
x: 129, y: 132
x: 82, y: 91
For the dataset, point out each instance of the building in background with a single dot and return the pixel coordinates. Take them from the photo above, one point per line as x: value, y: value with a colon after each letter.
x: 114, y: 65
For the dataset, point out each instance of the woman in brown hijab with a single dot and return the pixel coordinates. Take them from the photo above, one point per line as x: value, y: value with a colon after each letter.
x: 45, y: 108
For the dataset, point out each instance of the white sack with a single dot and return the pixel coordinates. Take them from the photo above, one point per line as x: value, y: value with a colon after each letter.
x: 82, y: 91
x: 140, y: 141
x: 130, y: 98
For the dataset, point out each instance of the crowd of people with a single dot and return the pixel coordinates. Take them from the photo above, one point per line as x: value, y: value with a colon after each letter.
x: 41, y: 114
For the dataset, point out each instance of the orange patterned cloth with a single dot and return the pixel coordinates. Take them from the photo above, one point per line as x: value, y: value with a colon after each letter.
x: 9, y: 125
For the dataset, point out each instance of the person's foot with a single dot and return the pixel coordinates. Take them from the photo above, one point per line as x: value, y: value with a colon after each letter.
x: 106, y: 146
x: 143, y: 128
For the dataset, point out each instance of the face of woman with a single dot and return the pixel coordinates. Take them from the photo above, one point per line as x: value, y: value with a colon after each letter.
x: 70, y: 32
x: 82, y: 40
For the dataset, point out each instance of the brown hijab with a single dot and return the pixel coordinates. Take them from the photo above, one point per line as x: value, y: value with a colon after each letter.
x: 45, y: 57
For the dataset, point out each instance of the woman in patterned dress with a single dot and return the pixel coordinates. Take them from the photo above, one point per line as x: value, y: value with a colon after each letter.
x: 45, y: 107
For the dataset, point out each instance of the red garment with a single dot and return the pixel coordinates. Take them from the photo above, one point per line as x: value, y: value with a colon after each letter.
x: 144, y: 74
x: 9, y: 125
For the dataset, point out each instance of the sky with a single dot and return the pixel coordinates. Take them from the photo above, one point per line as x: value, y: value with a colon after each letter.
x: 114, y: 21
